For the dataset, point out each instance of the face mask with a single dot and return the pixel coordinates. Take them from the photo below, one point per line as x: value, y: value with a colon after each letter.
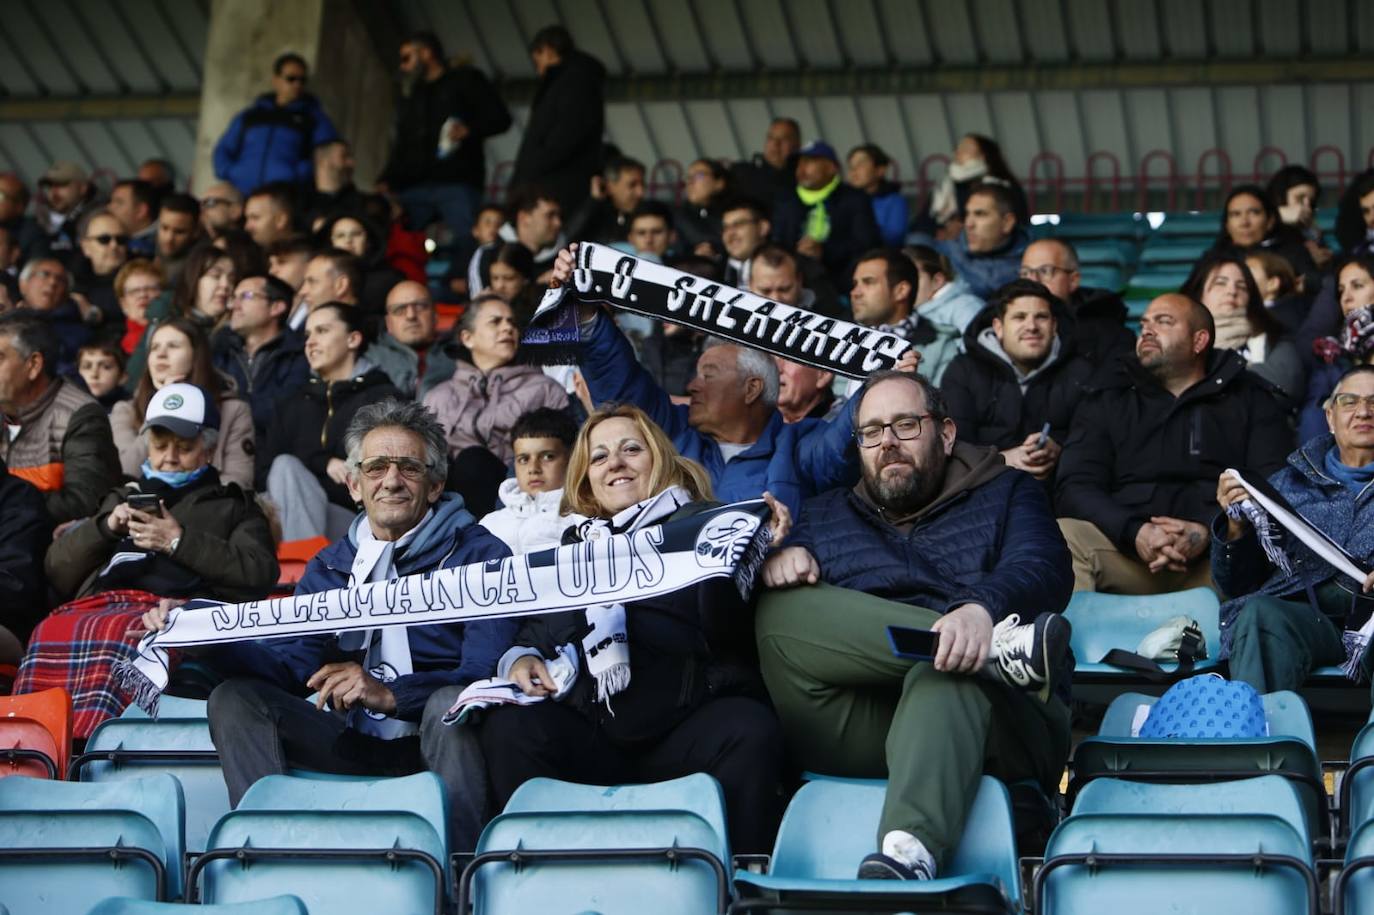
x: 173, y: 478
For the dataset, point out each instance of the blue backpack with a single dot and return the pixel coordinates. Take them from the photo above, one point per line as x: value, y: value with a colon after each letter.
x: 1207, y: 706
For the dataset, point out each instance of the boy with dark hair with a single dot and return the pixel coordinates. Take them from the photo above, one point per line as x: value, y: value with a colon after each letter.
x: 101, y: 367
x: 542, y: 440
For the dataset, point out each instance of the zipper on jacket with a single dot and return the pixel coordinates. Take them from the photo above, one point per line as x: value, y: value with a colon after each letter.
x: 1195, y: 434
x: 328, y: 411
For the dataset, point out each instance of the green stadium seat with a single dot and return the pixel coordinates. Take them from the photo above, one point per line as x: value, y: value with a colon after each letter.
x: 124, y: 748
x: 1357, y: 785
x: 358, y: 845
x: 1171, y: 253
x: 1157, y: 281
x: 1204, y: 224
x: 1102, y: 278
x: 1118, y: 252
x: 1096, y: 226
x: 1102, y: 622
x: 64, y: 846
x: 1185, y: 864
x: 830, y: 826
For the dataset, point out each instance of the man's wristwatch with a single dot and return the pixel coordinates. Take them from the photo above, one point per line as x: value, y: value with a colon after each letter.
x: 172, y: 547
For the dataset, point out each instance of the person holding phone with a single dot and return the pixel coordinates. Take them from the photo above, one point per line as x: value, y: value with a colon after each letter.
x: 179, y: 531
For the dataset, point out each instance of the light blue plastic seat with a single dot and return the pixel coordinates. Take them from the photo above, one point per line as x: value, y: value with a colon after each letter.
x: 277, y: 905
x: 1357, y: 785
x: 327, y: 842
x: 831, y: 824
x: 1354, y: 890
x: 556, y: 818
x: 1183, y: 864
x: 125, y: 748
x: 1289, y: 752
x: 123, y: 839
x: 613, y: 862
x: 1155, y: 281
x: 1265, y: 794
x: 1102, y: 622
x: 170, y: 707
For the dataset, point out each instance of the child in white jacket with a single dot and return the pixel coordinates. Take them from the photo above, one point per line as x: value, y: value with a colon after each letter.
x: 542, y: 440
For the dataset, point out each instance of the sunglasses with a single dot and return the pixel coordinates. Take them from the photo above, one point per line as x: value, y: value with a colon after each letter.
x: 108, y: 239
x: 294, y: 79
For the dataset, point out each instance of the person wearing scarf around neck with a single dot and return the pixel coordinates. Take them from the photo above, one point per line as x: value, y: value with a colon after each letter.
x: 381, y: 694
x: 650, y: 690
x: 1351, y: 345
x: 1288, y: 611
x: 207, y: 538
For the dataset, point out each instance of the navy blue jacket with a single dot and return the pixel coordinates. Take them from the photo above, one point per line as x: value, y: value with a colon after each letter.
x: 853, y: 229
x: 266, y: 142
x: 1240, y: 568
x: 792, y: 461
x: 276, y: 370
x: 988, y: 538
x: 441, y: 655
x: 986, y: 272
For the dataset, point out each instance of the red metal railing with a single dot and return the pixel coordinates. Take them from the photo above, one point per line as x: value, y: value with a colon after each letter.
x: 1089, y: 180
x: 1223, y: 176
x: 1056, y: 183
x: 1261, y: 175
x: 1314, y: 163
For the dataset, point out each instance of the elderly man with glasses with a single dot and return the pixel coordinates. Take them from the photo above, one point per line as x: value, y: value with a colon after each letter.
x: 411, y: 351
x: 941, y: 536
x: 380, y: 694
x: 1287, y: 617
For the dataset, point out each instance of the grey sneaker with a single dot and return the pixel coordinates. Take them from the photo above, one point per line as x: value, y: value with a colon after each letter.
x: 1026, y: 655
x: 879, y: 866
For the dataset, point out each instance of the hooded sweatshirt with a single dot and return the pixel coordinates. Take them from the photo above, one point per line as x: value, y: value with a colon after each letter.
x: 529, y: 522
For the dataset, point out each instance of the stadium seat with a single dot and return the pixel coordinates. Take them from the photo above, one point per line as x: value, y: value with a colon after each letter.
x: 277, y: 905
x: 830, y: 826
x: 1155, y: 281
x: 292, y: 557
x: 36, y: 734
x: 64, y: 846
x: 1206, y: 224
x: 358, y: 845
x: 1289, y: 751
x: 1190, y: 865
x: 1118, y: 252
x: 1102, y: 278
x: 1354, y: 890
x: 1096, y: 226
x: 1264, y: 794
x: 1102, y: 622
x: 1171, y: 253
x: 124, y: 748
x: 170, y: 707
x: 1357, y: 785
x: 604, y: 848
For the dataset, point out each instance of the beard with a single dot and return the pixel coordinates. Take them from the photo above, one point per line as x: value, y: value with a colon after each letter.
x: 911, y: 487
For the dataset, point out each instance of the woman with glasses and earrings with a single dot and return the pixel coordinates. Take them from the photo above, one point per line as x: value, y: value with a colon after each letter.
x: 1290, y: 611
x: 301, y: 463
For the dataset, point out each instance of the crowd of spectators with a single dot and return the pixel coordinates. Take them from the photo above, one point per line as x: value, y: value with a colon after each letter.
x: 188, y: 381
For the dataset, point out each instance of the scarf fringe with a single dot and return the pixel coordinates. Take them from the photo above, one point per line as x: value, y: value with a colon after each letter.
x: 610, y: 681
x: 136, y: 685
x: 1356, y: 644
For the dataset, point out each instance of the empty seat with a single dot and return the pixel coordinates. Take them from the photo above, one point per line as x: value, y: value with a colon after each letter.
x: 1354, y: 890
x: 830, y: 826
x: 64, y: 846
x: 1206, y: 224
x: 1289, y: 751
x: 1099, y: 277
x: 1156, y: 281
x: 1190, y: 865
x: 36, y: 734
x: 1119, y: 253
x: 124, y: 748
x: 1265, y: 794
x: 1102, y: 622
x: 621, y: 848
x: 1099, y: 226
x: 277, y: 905
x: 1357, y: 785
x: 358, y: 845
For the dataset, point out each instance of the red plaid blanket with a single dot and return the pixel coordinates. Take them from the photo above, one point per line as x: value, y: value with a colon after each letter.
x: 76, y: 647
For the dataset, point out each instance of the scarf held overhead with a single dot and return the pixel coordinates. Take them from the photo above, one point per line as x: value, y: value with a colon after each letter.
x: 605, y: 275
x: 726, y: 541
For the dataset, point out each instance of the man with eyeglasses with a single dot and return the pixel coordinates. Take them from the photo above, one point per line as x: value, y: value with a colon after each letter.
x: 938, y: 535
x: 273, y: 139
x: 104, y: 249
x: 377, y: 689
x: 1099, y: 315
x: 1136, y: 486
x: 1284, y: 620
x: 221, y: 209
x: 265, y: 358
x: 410, y: 351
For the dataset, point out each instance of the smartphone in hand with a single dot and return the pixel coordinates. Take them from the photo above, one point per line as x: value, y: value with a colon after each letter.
x: 147, y: 503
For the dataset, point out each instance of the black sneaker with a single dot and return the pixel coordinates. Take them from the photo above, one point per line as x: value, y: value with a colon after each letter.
x: 1027, y: 656
x: 879, y: 866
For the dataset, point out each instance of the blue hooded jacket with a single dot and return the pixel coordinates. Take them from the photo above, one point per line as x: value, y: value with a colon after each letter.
x: 267, y: 142
x: 442, y: 655
x: 1240, y: 568
x: 792, y: 461
x: 987, y: 272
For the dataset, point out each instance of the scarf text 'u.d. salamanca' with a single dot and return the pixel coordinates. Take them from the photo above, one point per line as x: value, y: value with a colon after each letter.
x: 624, y: 281
x: 728, y: 540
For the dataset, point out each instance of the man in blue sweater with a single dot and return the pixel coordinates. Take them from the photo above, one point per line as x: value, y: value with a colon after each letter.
x: 376, y: 691
x: 938, y: 535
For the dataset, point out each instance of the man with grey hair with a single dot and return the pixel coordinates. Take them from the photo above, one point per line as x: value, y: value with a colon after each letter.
x: 377, y: 688
x: 731, y: 424
x: 45, y: 287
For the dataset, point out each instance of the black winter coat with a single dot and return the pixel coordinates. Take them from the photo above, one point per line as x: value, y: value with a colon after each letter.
x: 853, y: 230
x: 276, y: 371
x: 561, y: 149
x: 1100, y: 333
x: 461, y: 92
x: 1135, y: 450
x: 685, y: 648
x: 311, y: 423
x: 25, y: 533
x: 986, y: 402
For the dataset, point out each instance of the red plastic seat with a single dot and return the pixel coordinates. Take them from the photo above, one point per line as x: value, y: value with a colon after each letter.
x: 293, y: 556
x: 35, y: 731
x: 447, y: 315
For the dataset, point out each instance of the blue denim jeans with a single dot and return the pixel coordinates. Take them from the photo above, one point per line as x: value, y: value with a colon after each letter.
x: 455, y: 205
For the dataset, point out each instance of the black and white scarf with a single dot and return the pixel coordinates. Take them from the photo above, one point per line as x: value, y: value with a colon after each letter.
x: 627, y: 282
x: 642, y: 562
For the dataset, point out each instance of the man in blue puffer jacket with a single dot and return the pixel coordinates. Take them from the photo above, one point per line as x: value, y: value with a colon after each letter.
x: 1278, y: 626
x: 939, y: 535
x: 274, y: 138
x: 380, y: 688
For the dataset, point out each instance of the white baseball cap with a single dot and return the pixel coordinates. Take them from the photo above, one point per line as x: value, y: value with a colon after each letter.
x: 182, y: 409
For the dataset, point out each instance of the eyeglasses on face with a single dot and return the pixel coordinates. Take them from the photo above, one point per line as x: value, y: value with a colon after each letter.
x: 418, y: 306
x: 1352, y: 401
x: 905, y: 428
x: 374, y: 468
x: 1044, y: 273
x: 105, y: 238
